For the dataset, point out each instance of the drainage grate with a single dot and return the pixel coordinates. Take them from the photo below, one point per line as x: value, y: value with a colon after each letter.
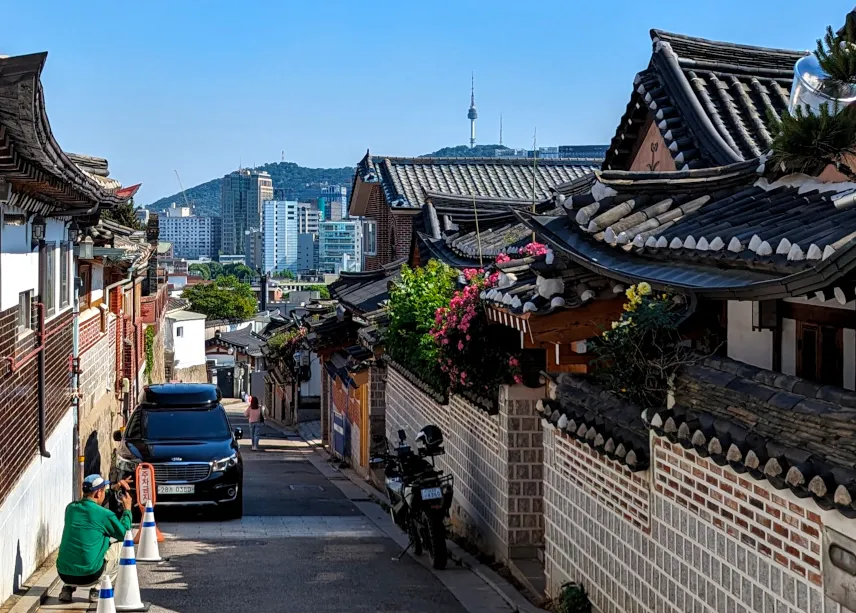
x: 303, y: 488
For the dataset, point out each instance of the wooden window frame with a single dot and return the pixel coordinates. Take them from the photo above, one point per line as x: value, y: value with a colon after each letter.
x: 818, y: 328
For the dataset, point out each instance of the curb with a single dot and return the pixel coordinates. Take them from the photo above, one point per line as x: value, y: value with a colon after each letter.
x: 38, y: 592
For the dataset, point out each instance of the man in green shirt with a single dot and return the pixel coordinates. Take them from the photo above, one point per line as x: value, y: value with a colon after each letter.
x: 85, y: 552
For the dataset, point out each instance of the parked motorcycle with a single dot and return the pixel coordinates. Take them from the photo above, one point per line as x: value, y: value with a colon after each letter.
x: 419, y: 494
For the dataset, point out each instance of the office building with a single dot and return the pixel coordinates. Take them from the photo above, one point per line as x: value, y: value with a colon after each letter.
x: 336, y: 201
x: 307, y: 251
x: 254, y: 248
x: 241, y: 200
x: 340, y: 246
x: 192, y: 237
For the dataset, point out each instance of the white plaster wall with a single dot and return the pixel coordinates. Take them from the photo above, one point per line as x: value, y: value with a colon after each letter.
x: 190, y: 348
x: 831, y: 304
x: 32, y: 517
x: 97, y: 282
x: 313, y: 386
x: 20, y: 264
x: 745, y: 344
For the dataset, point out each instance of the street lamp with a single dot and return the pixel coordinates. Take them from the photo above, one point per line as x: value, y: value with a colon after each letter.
x: 73, y: 231
x: 86, y: 248
x: 38, y: 230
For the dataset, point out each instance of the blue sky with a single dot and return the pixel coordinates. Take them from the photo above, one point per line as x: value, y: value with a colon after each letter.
x: 202, y: 86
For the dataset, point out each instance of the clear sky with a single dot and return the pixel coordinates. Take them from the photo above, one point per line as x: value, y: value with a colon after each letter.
x: 203, y: 86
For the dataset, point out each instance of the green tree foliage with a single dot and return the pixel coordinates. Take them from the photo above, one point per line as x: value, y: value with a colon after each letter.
x: 807, y: 141
x: 465, y: 151
x: 638, y: 357
x: 283, y: 274
x: 413, y: 303
x: 287, y: 176
x: 836, y: 54
x: 573, y: 599
x: 200, y: 270
x: 323, y: 290
x: 242, y: 271
x: 225, y: 298
x: 124, y: 214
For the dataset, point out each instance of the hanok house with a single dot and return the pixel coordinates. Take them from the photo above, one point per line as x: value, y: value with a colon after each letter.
x: 359, y: 368
x: 44, y: 198
x: 752, y: 455
x: 390, y: 193
x: 240, y: 354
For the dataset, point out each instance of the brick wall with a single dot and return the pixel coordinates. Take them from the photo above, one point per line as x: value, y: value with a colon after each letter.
x: 18, y: 393
x: 394, y: 231
x: 496, y: 461
x: 684, y: 535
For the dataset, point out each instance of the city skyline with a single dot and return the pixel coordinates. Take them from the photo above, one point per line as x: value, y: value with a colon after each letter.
x: 178, y: 94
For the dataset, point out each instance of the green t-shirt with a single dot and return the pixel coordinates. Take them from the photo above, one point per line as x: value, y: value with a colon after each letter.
x: 86, y: 537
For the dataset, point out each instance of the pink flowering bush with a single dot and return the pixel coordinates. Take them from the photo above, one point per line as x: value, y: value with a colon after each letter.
x: 534, y: 249
x: 502, y: 258
x: 466, y: 353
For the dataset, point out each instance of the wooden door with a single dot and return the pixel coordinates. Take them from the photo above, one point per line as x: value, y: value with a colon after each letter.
x: 820, y: 353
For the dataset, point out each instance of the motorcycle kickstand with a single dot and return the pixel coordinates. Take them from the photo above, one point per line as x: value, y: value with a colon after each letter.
x: 401, y: 555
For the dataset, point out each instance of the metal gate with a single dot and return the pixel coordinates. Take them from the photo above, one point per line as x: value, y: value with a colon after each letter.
x: 341, y: 435
x: 224, y: 378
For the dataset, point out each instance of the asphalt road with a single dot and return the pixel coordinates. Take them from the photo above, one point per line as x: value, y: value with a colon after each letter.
x: 302, y: 547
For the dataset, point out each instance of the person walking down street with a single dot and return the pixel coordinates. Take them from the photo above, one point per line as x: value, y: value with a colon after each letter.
x: 85, y: 553
x: 255, y: 414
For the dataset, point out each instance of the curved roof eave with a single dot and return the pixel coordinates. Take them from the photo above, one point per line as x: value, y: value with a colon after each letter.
x: 30, y: 158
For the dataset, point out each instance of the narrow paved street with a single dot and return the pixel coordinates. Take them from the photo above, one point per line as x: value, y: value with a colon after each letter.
x: 302, y: 546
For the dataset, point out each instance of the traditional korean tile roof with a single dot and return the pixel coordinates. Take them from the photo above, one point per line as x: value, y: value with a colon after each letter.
x: 597, y: 418
x: 364, y: 292
x: 177, y: 304
x: 791, y: 432
x: 410, y: 183
x: 712, y: 101
x: 244, y: 339
x: 727, y: 232
x: 42, y: 175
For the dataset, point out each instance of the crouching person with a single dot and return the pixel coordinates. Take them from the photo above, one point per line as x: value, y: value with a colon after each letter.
x: 85, y: 553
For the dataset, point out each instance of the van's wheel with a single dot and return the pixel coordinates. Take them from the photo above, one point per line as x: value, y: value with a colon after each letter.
x: 435, y: 540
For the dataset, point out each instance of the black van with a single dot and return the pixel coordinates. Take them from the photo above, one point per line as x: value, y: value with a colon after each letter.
x: 182, y: 430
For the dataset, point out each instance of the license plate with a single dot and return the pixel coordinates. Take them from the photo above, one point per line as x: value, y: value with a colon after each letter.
x: 431, y: 493
x: 176, y: 489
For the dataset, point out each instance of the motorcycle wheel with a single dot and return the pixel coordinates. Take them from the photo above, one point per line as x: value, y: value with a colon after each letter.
x: 416, y: 538
x: 435, y: 540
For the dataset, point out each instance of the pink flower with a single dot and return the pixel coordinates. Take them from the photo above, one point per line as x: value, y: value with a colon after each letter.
x: 518, y: 379
x: 513, y: 362
x: 460, y: 345
x: 468, y: 337
x: 502, y: 258
x: 463, y: 375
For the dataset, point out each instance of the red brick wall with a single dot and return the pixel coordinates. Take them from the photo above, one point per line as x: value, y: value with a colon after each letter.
x: 19, y: 395
x: 394, y: 232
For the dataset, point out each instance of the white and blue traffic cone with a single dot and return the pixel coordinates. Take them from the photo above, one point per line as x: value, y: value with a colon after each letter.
x: 127, y: 583
x: 149, y: 537
x: 106, y: 604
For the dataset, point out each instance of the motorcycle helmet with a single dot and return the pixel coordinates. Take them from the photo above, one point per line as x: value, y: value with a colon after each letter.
x: 430, y: 440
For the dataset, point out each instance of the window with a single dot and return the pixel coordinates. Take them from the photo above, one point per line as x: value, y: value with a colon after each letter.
x: 179, y: 330
x: 820, y: 354
x: 25, y: 320
x: 49, y: 294
x: 370, y: 237
x: 63, y: 275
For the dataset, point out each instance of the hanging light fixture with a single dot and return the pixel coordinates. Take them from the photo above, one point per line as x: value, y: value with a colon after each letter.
x: 73, y: 231
x: 38, y: 226
x: 86, y: 248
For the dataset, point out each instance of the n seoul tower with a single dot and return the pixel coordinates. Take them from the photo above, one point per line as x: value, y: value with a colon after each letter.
x: 473, y: 113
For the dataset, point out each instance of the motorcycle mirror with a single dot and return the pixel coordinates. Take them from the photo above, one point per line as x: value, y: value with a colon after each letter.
x: 401, y: 435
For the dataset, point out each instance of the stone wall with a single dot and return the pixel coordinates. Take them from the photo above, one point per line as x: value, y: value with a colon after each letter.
x: 191, y: 374
x: 496, y: 461
x: 100, y: 407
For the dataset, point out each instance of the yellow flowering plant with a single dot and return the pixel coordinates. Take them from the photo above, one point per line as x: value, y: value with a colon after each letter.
x: 642, y: 349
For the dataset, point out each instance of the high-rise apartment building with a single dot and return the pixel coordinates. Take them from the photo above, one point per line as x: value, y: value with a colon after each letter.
x: 340, y: 246
x: 281, y: 227
x: 243, y: 195
x: 307, y: 252
x: 254, y: 248
x: 336, y: 197
x: 192, y: 237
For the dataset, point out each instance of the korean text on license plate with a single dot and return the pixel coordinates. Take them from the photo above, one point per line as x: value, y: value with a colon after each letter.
x: 431, y: 493
x: 176, y: 489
